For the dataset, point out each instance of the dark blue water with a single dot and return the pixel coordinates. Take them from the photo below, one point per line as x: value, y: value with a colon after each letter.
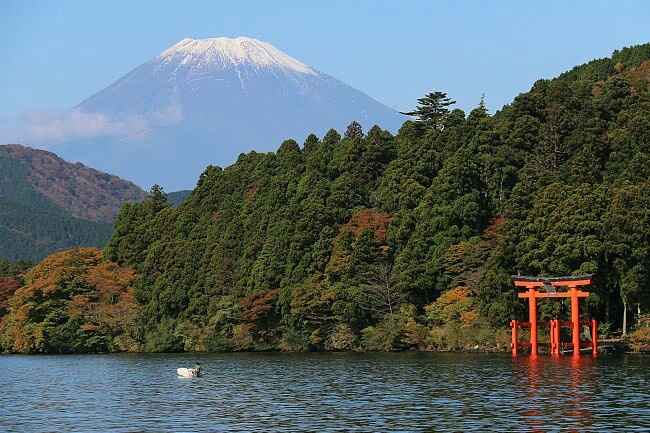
x: 323, y: 393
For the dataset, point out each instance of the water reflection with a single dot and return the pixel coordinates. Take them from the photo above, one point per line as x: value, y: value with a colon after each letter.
x: 533, y: 415
x: 571, y: 380
x: 324, y: 392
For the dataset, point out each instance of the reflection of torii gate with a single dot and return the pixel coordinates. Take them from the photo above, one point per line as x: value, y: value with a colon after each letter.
x: 549, y: 288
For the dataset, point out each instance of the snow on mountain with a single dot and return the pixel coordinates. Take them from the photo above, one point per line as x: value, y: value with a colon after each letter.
x: 215, y: 53
x: 205, y: 101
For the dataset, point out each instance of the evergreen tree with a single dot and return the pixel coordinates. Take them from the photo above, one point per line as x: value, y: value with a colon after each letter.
x: 354, y: 130
x: 432, y: 109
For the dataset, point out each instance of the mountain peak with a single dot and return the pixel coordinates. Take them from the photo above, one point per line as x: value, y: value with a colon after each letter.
x: 228, y: 52
x: 204, y: 101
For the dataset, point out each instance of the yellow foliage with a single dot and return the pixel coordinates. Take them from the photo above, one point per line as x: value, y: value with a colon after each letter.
x: 640, y: 340
x: 242, y: 337
x: 315, y: 338
x: 414, y: 334
x: 456, y: 305
x: 469, y: 317
x: 342, y: 338
x: 619, y: 67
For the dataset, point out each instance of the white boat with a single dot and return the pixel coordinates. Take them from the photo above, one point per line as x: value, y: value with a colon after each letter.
x: 188, y: 372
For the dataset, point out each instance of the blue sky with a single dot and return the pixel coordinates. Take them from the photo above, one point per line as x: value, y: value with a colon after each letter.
x: 57, y: 53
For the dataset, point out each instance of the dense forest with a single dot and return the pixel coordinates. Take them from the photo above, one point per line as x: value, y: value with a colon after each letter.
x: 47, y: 204
x: 373, y: 241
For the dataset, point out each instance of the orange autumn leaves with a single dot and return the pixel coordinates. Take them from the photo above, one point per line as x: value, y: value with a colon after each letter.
x: 72, y: 301
x: 454, y: 305
x: 8, y: 286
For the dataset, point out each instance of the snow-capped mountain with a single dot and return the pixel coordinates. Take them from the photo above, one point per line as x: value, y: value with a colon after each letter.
x: 205, y: 101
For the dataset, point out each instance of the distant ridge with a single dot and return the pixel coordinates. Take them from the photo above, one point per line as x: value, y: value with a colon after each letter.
x: 177, y: 197
x: 48, y: 204
x: 83, y: 191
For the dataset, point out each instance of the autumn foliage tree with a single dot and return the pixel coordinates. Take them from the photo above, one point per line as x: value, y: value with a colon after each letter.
x: 73, y: 301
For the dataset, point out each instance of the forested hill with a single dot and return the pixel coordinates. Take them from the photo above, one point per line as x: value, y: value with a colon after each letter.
x: 379, y: 242
x: 350, y: 238
x: 48, y: 204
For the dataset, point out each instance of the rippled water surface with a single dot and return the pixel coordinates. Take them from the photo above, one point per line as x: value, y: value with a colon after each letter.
x: 323, y: 393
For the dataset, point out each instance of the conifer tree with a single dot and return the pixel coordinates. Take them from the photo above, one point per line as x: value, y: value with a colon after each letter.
x: 432, y: 109
x: 354, y: 130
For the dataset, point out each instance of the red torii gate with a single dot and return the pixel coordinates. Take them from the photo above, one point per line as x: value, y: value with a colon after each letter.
x: 550, y: 286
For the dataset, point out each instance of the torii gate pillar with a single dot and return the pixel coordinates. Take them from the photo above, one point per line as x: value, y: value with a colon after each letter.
x: 532, y: 319
x: 575, y: 321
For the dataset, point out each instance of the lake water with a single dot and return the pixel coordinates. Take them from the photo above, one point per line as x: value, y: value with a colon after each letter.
x: 409, y: 392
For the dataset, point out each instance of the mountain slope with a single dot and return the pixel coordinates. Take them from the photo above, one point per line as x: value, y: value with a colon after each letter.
x: 203, y: 102
x: 48, y: 204
x: 177, y: 197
